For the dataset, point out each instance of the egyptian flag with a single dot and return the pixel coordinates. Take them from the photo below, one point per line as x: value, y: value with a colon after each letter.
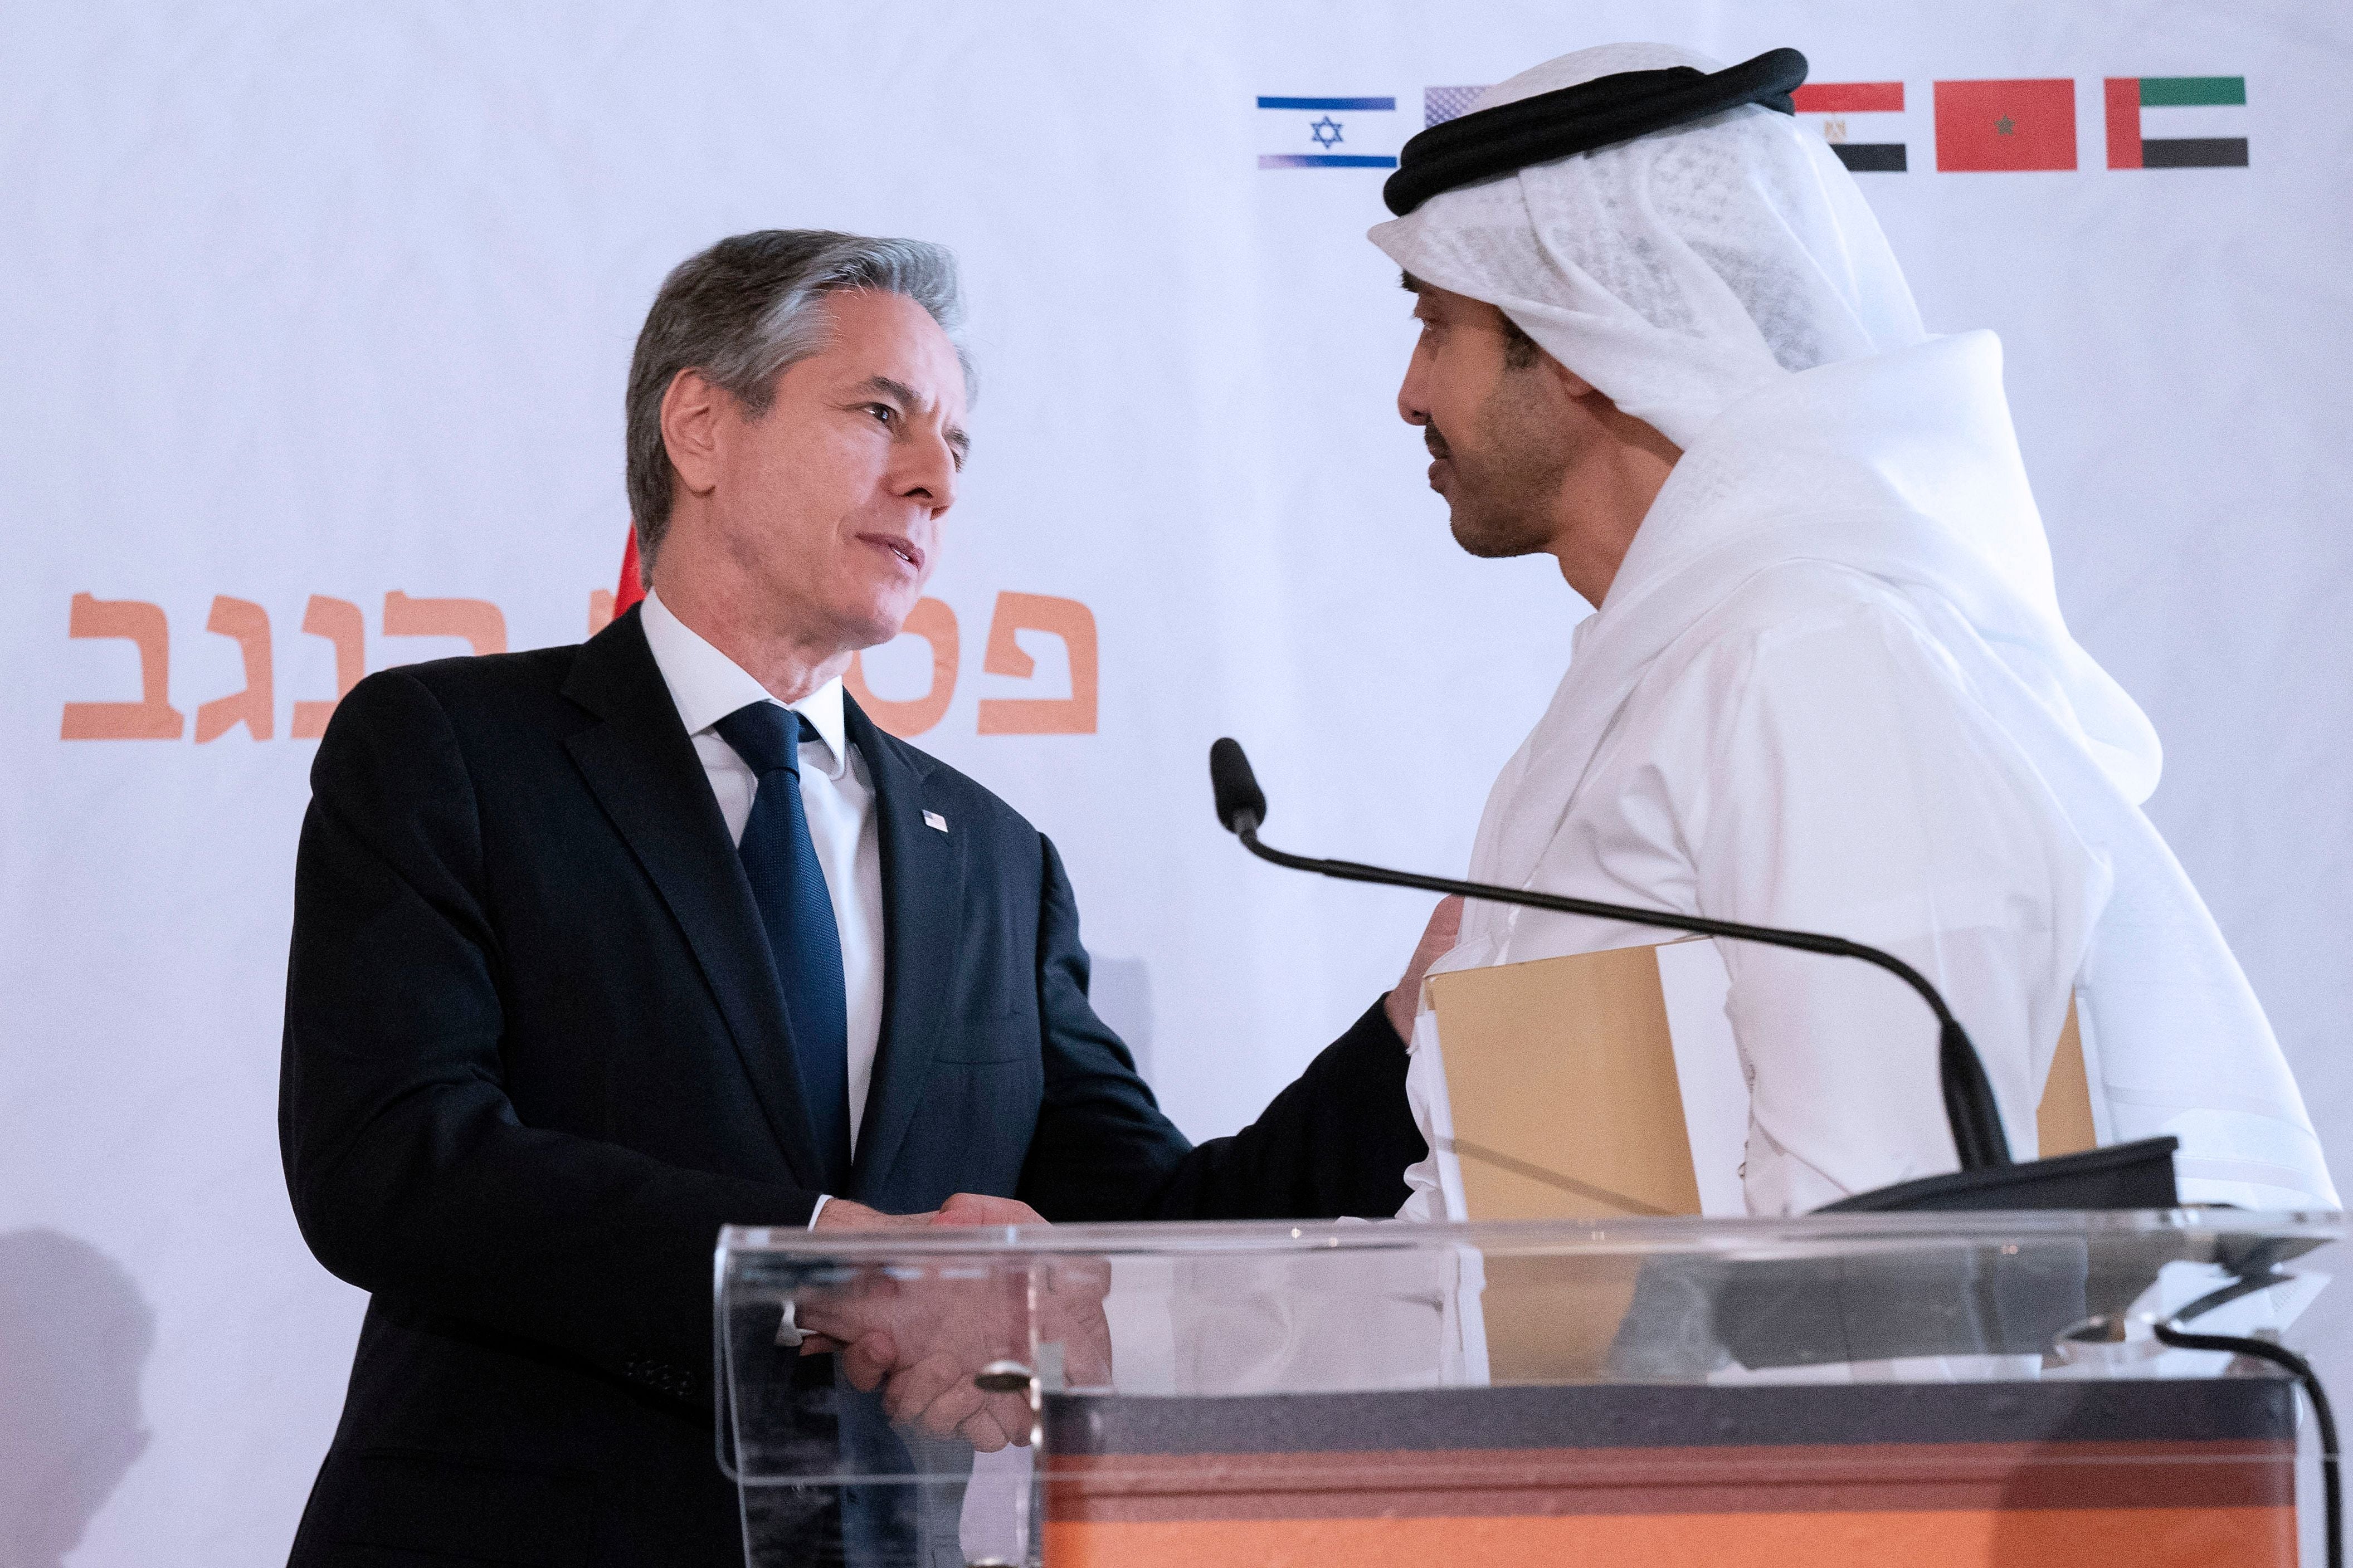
x: 2177, y: 122
x: 1861, y: 121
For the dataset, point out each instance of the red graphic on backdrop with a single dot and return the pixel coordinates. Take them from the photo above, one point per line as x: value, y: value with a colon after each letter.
x: 630, y: 588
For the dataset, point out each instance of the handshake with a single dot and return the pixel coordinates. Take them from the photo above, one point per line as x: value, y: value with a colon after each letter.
x: 924, y: 1336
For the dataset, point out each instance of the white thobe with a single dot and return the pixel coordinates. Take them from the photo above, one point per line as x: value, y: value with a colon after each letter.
x: 1829, y: 689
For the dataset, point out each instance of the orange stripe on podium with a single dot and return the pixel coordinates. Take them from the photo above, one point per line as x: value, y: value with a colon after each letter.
x: 2082, y: 1538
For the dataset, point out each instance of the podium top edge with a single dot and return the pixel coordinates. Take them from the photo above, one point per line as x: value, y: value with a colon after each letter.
x: 1689, y: 1235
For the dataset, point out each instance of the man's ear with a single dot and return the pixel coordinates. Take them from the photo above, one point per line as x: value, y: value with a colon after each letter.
x: 691, y: 411
x: 1570, y: 382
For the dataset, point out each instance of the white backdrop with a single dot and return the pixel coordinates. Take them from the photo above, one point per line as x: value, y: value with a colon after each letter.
x: 337, y: 302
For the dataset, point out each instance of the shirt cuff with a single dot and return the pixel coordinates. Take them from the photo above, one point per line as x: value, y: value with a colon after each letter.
x: 788, y: 1333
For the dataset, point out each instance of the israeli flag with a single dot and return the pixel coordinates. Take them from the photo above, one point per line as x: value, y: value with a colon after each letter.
x: 1328, y: 134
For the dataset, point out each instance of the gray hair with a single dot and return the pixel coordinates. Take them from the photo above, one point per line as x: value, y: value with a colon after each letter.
x: 744, y: 312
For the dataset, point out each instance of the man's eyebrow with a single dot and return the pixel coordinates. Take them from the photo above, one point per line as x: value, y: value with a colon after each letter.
x: 960, y: 443
x: 889, y: 388
x: 1410, y: 283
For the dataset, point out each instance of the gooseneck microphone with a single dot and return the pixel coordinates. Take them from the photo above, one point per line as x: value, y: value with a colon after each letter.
x: 1242, y: 805
x: 1968, y: 1098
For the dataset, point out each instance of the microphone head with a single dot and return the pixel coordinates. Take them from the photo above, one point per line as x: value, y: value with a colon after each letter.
x: 1241, y: 806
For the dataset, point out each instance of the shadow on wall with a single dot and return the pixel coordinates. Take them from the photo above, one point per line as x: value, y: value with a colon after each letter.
x: 1121, y: 993
x: 74, y: 1335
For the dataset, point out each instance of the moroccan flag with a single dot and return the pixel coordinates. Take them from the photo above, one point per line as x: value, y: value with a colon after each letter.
x: 2177, y: 122
x: 1985, y: 126
x: 1861, y: 121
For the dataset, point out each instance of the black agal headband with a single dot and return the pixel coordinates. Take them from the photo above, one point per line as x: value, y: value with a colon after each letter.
x: 1597, y: 114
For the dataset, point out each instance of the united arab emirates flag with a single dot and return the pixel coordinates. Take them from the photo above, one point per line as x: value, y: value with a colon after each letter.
x: 1991, y: 126
x: 1861, y: 121
x: 2177, y: 122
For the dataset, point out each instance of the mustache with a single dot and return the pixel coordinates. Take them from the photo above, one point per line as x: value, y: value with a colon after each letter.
x: 1435, y: 441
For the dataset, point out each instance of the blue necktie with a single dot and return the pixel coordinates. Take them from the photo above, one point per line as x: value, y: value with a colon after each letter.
x: 780, y: 860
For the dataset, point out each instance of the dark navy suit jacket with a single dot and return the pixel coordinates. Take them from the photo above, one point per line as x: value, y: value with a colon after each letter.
x: 536, y: 1056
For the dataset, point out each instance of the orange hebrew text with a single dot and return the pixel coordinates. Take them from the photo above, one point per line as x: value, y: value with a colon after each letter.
x: 1067, y: 619
x: 476, y: 620
x: 248, y: 622
x: 337, y: 620
x: 936, y: 625
x: 153, y: 717
x: 600, y: 609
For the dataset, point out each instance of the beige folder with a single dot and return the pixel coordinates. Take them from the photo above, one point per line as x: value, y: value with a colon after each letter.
x: 1560, y: 1074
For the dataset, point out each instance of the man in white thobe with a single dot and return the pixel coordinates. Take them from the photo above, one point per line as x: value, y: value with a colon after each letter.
x: 1827, y: 684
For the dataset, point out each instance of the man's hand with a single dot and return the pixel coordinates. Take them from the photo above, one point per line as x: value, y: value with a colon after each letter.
x: 1437, y: 937
x: 840, y: 1213
x: 921, y: 1337
x: 973, y: 1208
x: 963, y: 1209
x: 920, y: 1332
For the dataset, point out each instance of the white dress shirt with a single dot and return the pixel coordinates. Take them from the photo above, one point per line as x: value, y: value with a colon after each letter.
x: 837, y: 793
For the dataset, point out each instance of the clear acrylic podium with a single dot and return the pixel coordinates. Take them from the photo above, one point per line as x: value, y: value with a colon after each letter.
x: 1834, y: 1390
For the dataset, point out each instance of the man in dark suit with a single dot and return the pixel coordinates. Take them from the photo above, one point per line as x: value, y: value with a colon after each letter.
x: 598, y: 949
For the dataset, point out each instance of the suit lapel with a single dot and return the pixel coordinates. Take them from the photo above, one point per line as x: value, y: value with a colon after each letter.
x: 643, y: 771
x: 922, y: 902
